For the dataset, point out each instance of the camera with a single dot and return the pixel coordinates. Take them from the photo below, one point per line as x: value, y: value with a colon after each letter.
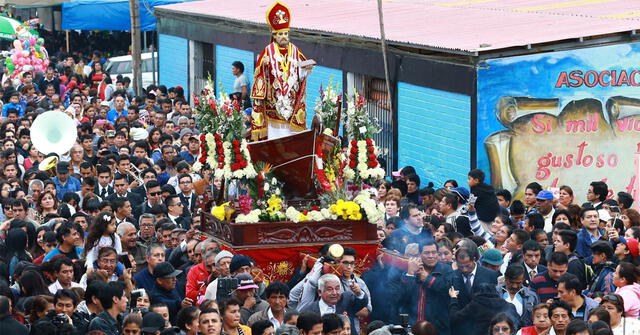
x: 226, y: 286
x: 60, y: 319
x: 403, y: 328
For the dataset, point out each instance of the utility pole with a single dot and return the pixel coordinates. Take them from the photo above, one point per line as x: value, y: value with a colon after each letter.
x: 134, y: 7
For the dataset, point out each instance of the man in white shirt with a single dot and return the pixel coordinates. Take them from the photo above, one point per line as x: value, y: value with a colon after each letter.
x: 64, y: 275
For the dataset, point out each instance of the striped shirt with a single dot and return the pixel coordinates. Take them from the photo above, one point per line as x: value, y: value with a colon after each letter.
x: 544, y: 286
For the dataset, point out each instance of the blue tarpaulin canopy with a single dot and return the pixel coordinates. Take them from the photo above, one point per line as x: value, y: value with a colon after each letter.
x: 108, y: 14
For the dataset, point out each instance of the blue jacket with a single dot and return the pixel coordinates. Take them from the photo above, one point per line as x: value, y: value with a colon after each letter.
x: 602, y: 280
x: 17, y: 106
x: 172, y: 299
x: 72, y: 185
x: 113, y: 115
x: 144, y: 279
x: 529, y: 299
x: 583, y: 248
x: 428, y: 300
x: 56, y: 252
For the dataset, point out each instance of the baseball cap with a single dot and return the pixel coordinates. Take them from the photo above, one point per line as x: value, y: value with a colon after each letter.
x: 545, y: 195
x: 634, y: 248
x: 604, y: 215
x: 62, y: 167
x: 245, y: 281
x: 110, y: 133
x: 493, y: 257
x: 396, y: 173
x: 152, y: 322
x: 462, y: 192
x: 165, y: 270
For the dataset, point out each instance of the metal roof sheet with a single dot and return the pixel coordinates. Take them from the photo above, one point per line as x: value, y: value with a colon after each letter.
x: 462, y: 25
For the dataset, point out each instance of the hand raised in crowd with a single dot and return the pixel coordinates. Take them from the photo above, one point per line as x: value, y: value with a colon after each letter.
x: 355, y: 288
x: 187, y: 302
x: 453, y: 293
x: 414, y: 265
x: 249, y: 302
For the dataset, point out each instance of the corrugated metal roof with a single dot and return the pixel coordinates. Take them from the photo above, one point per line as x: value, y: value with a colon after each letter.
x: 463, y: 25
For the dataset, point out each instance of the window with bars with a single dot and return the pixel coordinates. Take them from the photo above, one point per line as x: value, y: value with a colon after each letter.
x: 375, y: 92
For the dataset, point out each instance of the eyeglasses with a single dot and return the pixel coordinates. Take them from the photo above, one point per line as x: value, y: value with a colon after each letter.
x: 348, y: 263
x: 498, y: 329
x: 611, y: 298
x: 155, y: 194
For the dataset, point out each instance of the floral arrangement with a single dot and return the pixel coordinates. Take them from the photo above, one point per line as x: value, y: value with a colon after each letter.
x: 264, y: 186
x: 373, y: 211
x: 328, y: 108
x: 225, y: 148
x: 363, y: 166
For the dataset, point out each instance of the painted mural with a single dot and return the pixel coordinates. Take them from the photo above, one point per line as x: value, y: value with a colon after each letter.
x: 561, y: 118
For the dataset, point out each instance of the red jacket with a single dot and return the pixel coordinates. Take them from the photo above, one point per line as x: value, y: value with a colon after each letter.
x: 196, y: 282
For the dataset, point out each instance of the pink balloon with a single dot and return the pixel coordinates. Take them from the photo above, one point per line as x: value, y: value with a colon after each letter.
x: 17, y: 44
x: 14, y: 58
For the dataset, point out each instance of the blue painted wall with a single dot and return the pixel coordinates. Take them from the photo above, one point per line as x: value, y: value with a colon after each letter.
x: 433, y: 133
x: 225, y: 56
x: 174, y: 61
x: 320, y: 76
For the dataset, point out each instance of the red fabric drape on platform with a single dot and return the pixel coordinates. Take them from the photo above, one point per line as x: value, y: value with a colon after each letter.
x: 280, y: 263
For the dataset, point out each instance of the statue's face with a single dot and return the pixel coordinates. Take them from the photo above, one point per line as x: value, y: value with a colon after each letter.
x: 282, y: 38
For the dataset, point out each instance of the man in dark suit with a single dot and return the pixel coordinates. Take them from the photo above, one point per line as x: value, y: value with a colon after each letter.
x: 104, y: 188
x: 532, y: 253
x: 466, y: 279
x: 333, y: 300
x: 176, y: 213
x: 121, y: 186
x: 187, y: 195
x: 154, y: 197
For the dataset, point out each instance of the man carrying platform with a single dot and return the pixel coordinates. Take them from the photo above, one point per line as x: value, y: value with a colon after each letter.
x: 279, y: 88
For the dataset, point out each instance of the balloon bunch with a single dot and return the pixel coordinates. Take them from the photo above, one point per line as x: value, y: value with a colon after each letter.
x: 28, y: 53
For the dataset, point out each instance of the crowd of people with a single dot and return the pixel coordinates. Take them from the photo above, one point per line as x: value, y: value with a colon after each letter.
x: 109, y: 242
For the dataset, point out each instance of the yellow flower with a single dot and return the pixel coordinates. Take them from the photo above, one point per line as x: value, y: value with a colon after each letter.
x: 303, y: 217
x: 275, y: 204
x: 222, y: 212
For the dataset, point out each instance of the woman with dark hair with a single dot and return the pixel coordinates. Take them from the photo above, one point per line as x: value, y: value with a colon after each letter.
x: 40, y: 306
x: 630, y: 217
x: 50, y: 186
x: 383, y: 186
x: 47, y: 203
x: 501, y: 236
x: 501, y: 324
x: 620, y: 324
x: 262, y: 327
x: 31, y: 285
x: 485, y: 304
x: 577, y: 327
x: 154, y: 139
x: 443, y: 231
x: 565, y: 198
x: 187, y: 320
x: 562, y: 215
x: 626, y: 280
x: 132, y: 324
x: 599, y: 314
x: 96, y: 77
x: 17, y: 242
x: 451, y: 183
